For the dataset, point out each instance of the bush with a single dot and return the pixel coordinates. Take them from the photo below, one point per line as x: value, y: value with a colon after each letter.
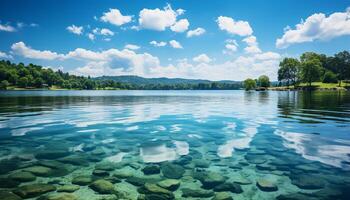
x: 329, y: 77
x: 4, y: 84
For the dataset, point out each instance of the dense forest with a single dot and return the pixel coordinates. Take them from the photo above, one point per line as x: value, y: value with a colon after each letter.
x: 32, y: 76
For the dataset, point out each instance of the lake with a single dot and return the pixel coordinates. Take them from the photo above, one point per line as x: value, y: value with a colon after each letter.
x: 175, y: 144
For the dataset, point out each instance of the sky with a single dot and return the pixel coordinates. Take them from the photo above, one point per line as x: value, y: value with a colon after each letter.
x: 215, y: 40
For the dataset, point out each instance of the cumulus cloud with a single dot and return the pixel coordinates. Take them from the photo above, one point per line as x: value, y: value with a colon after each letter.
x: 132, y: 47
x: 91, y: 36
x: 175, y: 44
x: 180, y: 26
x: 78, y: 30
x: 128, y: 62
x: 241, y: 28
x: 231, y: 46
x: 5, y: 55
x: 21, y: 49
x: 316, y: 27
x: 253, y: 46
x: 202, y: 58
x: 115, y: 17
x: 159, y: 19
x: 195, y: 32
x: 7, y: 28
x: 103, y: 31
x: 158, y: 44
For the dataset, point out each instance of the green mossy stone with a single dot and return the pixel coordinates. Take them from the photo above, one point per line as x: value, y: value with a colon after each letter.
x: 266, y: 185
x: 22, y: 176
x: 222, y: 196
x: 82, y: 180
x: 172, y: 171
x: 68, y: 188
x: 39, y: 170
x: 5, y: 195
x: 34, y: 190
x: 151, y: 169
x: 169, y: 184
x: 102, y: 186
x: 196, y: 193
x: 59, y: 196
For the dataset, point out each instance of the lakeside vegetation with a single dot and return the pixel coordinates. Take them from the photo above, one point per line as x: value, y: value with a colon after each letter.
x: 310, y: 71
x: 18, y: 76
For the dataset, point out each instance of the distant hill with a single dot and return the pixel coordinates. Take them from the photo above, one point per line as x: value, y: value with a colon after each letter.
x: 137, y: 80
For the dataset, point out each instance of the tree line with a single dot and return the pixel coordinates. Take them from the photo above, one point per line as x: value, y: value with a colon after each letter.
x: 35, y: 76
x: 310, y: 67
x: 313, y: 67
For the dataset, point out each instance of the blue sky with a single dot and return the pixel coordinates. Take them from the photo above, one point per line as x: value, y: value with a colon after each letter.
x: 191, y: 39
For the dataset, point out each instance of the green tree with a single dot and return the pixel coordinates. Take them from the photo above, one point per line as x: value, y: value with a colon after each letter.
x: 329, y: 77
x: 23, y: 82
x: 264, y: 81
x: 288, y: 70
x: 4, y: 84
x: 310, y: 71
x: 249, y: 84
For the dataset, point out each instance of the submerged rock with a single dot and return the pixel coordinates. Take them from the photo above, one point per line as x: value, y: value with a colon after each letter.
x: 82, y: 180
x: 266, y: 185
x: 169, y: 184
x: 103, y: 187
x: 294, y: 196
x: 210, y: 179
x: 9, y: 196
x: 98, y: 172
x: 172, y: 171
x: 151, y: 169
x: 62, y: 196
x: 200, y: 193
x: 75, y: 160
x: 308, y: 182
x: 34, y: 190
x: 22, y: 176
x: 123, y: 173
x: 231, y: 187
x: 68, y: 188
x: 39, y: 170
x: 153, y: 188
x: 8, y: 183
x: 201, y: 163
x: 222, y: 196
x: 8, y: 165
x: 52, y: 155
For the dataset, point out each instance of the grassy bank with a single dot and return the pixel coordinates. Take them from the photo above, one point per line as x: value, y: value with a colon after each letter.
x: 315, y: 85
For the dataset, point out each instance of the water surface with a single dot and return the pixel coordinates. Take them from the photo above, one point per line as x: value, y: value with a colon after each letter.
x: 250, y: 145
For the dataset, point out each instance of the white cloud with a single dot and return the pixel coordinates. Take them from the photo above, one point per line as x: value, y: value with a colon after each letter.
x: 316, y: 27
x: 78, y: 30
x: 180, y: 26
x: 21, y: 49
x: 157, y: 19
x: 175, y: 44
x: 241, y: 28
x: 158, y: 44
x: 195, y: 32
x: 91, y: 36
x: 7, y: 28
x: 253, y: 46
x: 132, y: 47
x: 180, y: 11
x: 107, y: 32
x: 115, y: 17
x: 252, y: 49
x: 231, y: 46
x: 202, y: 58
x: 4, y: 55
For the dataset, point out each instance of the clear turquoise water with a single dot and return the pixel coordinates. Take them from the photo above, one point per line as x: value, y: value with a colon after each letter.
x: 297, y: 143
